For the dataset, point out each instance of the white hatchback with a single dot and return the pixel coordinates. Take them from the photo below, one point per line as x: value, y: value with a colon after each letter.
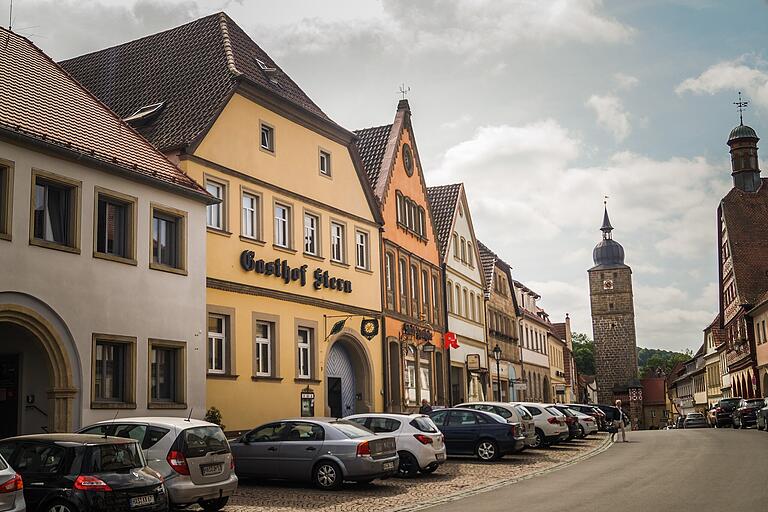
x: 587, y: 424
x: 420, y: 444
x: 550, y: 424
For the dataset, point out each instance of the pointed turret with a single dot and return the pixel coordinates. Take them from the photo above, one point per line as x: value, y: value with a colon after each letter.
x: 606, y: 228
x: 608, y: 253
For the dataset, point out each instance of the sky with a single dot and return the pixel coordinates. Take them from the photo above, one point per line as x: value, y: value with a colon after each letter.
x: 542, y: 108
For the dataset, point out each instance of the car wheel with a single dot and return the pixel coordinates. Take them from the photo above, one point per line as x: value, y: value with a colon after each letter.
x: 487, y: 450
x: 409, y: 466
x: 582, y: 433
x: 429, y: 469
x: 327, y: 475
x: 540, y: 440
x: 214, y: 505
x: 60, y: 506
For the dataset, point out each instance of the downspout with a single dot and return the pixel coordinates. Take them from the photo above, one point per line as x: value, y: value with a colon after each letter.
x: 383, y: 330
x: 449, y: 398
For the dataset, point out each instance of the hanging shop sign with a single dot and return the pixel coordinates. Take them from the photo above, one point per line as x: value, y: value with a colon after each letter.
x: 450, y: 341
x: 473, y: 362
x: 416, y: 332
x: 369, y: 327
x: 427, y: 348
x: 281, y: 269
x: 559, y: 389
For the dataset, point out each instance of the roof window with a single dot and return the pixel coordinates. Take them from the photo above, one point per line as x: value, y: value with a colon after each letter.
x: 269, y: 71
x: 145, y: 114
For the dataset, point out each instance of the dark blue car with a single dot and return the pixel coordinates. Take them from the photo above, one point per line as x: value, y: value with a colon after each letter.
x: 484, y: 434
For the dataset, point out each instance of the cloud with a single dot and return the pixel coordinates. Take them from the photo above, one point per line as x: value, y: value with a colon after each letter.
x: 624, y: 81
x: 469, y: 27
x: 747, y: 73
x: 611, y: 115
x: 456, y: 123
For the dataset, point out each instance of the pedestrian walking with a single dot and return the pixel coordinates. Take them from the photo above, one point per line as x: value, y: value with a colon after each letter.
x: 618, y: 423
x: 425, y: 408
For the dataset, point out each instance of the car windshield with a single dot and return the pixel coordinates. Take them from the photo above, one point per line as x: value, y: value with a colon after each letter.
x: 199, y: 441
x: 351, y: 430
x: 424, y: 424
x: 755, y: 402
x: 730, y: 402
x: 106, y: 458
x: 695, y: 415
x: 565, y: 411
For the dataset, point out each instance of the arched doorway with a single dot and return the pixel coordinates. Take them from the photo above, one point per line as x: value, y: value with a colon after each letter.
x: 547, y: 393
x: 348, y: 371
x: 36, y: 372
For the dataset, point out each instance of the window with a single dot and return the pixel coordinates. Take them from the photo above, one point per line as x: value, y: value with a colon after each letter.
x: 167, y: 239
x: 389, y: 279
x: 470, y: 258
x: 56, y: 207
x: 112, y: 370
x: 263, y: 349
x: 6, y: 199
x: 282, y: 225
x: 458, y: 300
x: 267, y: 138
x: 361, y: 244
x: 435, y: 299
x: 311, y: 223
x: 466, y: 304
x: 217, y: 344
x: 399, y: 206
x: 337, y: 242
x: 415, y: 289
x: 115, y: 220
x: 449, y: 296
x: 425, y: 289
x: 325, y: 163
x: 456, y: 252
x: 421, y: 226
x: 463, y: 250
x: 472, y: 305
x: 305, y: 353
x: 215, y: 212
x: 401, y: 275
x: 166, y: 372
x: 251, y: 213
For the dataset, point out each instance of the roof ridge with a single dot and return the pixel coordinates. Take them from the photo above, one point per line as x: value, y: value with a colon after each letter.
x: 228, y: 52
x: 373, y: 127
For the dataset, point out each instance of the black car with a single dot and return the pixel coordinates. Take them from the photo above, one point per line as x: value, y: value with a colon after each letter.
x: 84, y: 473
x: 571, y: 420
x: 745, y: 415
x: 762, y: 416
x: 593, y: 411
x: 724, y: 411
x: 484, y: 434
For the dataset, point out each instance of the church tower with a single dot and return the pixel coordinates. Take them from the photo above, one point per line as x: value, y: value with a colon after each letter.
x: 613, y: 319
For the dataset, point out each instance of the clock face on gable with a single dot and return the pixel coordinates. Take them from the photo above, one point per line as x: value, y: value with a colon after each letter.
x: 408, y: 159
x: 608, y: 284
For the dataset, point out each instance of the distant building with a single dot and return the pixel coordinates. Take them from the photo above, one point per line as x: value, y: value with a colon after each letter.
x: 714, y: 342
x: 534, y: 345
x: 655, y: 403
x: 563, y: 331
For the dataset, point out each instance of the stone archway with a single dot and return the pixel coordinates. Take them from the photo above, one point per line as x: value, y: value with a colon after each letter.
x: 63, y: 387
x: 352, y: 345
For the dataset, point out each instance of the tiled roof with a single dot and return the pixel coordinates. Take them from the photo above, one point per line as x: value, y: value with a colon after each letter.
x: 718, y: 335
x: 746, y: 219
x: 442, y: 200
x: 371, y: 145
x: 193, y: 69
x: 488, y: 261
x: 558, y: 330
x: 41, y: 103
x: 654, y: 392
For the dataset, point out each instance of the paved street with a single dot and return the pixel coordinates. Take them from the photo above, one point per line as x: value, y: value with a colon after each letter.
x: 680, y: 470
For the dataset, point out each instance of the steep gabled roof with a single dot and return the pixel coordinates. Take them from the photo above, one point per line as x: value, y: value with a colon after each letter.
x: 372, y: 144
x: 193, y: 69
x: 488, y: 261
x: 41, y: 104
x: 558, y: 329
x: 443, y: 201
x: 746, y: 219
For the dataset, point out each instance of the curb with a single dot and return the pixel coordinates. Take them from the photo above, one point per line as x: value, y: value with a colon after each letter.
x: 503, y: 483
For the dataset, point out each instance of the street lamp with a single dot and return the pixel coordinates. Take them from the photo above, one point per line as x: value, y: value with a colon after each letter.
x: 497, y: 357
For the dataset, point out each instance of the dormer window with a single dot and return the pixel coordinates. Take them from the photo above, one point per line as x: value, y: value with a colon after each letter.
x: 269, y: 71
x: 145, y: 114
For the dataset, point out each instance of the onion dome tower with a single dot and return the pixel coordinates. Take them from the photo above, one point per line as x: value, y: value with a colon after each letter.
x: 745, y: 168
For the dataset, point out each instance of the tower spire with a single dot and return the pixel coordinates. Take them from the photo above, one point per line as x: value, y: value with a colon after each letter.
x: 606, y: 227
x: 741, y: 106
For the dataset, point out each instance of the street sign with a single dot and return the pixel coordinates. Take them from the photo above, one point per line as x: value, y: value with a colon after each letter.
x: 473, y: 361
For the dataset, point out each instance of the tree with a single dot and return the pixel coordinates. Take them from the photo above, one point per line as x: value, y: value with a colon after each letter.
x: 651, y: 361
x: 584, y: 353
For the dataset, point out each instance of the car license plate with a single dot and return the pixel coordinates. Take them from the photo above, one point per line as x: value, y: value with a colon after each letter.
x: 141, y: 501
x: 211, y: 469
x: 440, y: 456
x: 388, y: 466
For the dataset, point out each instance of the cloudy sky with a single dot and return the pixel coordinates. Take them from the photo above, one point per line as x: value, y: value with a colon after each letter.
x: 540, y: 107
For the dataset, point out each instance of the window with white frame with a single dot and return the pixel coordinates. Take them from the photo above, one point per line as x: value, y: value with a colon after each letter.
x: 250, y: 226
x: 217, y: 344
x: 311, y: 224
x: 470, y: 257
x: 449, y: 297
x: 361, y: 244
x: 267, y: 138
x: 463, y: 250
x: 282, y: 225
x: 215, y: 212
x: 325, y: 163
x: 456, y: 252
x: 337, y: 242
x: 304, y: 358
x: 263, y: 349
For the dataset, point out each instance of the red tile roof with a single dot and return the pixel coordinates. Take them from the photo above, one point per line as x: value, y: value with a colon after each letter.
x: 442, y: 201
x: 654, y: 391
x: 40, y: 103
x: 558, y: 330
x: 372, y: 144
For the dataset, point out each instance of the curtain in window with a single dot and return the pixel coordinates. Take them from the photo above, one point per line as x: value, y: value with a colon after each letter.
x: 57, y: 207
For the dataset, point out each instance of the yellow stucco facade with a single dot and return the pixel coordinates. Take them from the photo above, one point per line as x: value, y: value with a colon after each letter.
x: 293, y: 249
x: 557, y: 368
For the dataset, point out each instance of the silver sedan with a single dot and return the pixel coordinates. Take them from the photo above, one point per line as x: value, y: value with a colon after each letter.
x: 11, y: 485
x: 325, y: 452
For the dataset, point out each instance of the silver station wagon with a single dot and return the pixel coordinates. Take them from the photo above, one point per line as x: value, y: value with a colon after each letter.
x: 325, y: 452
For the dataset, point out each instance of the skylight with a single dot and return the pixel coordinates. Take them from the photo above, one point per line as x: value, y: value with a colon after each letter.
x: 145, y: 113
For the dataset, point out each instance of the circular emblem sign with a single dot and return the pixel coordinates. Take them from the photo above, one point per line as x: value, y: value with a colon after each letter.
x: 408, y: 159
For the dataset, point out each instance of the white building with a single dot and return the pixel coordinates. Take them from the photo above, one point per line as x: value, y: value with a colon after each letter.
x: 464, y: 292
x: 535, y: 327
x: 102, y: 246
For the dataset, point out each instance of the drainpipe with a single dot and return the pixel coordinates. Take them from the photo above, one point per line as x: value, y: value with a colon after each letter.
x: 448, y: 397
x: 383, y: 329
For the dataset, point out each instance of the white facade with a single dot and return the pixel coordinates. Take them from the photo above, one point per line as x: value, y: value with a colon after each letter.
x: 60, y: 305
x: 534, y: 346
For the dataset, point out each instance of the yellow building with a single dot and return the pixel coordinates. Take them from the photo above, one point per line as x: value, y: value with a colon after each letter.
x: 293, y: 248
x: 557, y: 367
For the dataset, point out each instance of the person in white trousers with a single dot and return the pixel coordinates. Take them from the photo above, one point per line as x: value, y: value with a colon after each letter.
x: 618, y: 423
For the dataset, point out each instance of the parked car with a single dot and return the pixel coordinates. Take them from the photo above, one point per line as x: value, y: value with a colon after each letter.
x: 593, y: 411
x: 745, y: 415
x: 550, y: 426
x: 11, y: 489
x: 192, y: 456
x: 695, y: 420
x: 724, y: 411
x: 420, y: 444
x: 712, y: 415
x: 512, y: 414
x: 570, y: 419
x: 323, y: 451
x: 84, y: 473
x: 762, y: 416
x: 587, y: 423
x: 483, y: 434
x: 680, y: 422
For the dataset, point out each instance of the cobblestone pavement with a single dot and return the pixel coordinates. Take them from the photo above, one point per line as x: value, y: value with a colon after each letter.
x: 456, y: 477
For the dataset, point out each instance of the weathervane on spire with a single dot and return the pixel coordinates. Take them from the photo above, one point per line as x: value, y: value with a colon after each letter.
x: 404, y: 90
x: 741, y: 106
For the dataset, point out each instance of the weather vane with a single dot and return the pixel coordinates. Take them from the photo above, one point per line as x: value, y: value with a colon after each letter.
x: 605, y: 200
x: 404, y: 90
x: 741, y: 106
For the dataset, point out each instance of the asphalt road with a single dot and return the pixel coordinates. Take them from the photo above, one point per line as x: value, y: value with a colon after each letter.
x: 668, y: 470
